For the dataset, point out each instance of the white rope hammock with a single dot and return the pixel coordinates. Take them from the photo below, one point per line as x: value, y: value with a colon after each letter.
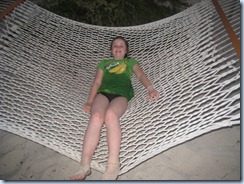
x: 47, y: 65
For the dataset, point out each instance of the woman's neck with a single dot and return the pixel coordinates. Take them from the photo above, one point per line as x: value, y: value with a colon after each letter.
x: 119, y: 58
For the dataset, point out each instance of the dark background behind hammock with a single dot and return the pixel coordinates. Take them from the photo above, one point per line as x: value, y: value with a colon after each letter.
x: 114, y: 12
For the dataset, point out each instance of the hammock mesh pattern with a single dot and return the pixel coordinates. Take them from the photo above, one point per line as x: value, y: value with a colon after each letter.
x: 47, y: 65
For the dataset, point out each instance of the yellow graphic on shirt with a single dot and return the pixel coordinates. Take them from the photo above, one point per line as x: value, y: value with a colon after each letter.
x: 118, y: 69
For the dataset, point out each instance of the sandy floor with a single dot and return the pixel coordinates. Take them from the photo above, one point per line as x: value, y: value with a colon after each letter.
x: 213, y: 156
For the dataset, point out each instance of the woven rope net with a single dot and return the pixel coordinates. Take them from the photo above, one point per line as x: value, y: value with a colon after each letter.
x: 47, y: 65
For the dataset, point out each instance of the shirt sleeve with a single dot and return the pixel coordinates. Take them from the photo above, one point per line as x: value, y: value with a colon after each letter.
x: 132, y: 62
x: 101, y: 65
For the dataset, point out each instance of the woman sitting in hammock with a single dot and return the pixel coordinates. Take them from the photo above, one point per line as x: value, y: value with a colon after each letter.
x: 107, y: 102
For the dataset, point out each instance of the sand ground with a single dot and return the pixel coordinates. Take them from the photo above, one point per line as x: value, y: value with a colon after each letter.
x: 212, y: 156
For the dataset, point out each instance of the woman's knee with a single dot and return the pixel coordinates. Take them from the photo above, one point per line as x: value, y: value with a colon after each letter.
x: 97, y: 117
x: 110, y: 116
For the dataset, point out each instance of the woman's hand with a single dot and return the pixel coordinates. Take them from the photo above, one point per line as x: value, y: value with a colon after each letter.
x: 87, y: 108
x: 153, y: 94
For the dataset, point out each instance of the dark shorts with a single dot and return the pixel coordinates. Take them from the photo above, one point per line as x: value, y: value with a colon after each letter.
x: 110, y: 97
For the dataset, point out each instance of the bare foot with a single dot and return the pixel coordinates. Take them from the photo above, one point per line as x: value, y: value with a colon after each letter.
x: 112, y: 172
x: 81, y: 174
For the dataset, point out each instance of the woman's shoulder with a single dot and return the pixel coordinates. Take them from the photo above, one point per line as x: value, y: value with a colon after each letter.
x: 105, y: 60
x: 131, y: 60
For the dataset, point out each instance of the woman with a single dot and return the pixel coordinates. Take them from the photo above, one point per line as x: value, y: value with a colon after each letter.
x: 107, y: 102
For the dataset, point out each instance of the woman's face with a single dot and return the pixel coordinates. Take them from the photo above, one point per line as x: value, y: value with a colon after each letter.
x: 119, y: 49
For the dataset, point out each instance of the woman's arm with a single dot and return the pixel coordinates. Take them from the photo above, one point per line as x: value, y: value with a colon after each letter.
x: 95, y: 86
x: 152, y: 93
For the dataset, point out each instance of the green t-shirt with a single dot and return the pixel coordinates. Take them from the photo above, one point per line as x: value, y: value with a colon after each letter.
x: 117, y: 76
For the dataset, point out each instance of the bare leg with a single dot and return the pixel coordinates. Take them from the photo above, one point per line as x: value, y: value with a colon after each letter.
x: 92, y: 135
x: 116, y: 109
